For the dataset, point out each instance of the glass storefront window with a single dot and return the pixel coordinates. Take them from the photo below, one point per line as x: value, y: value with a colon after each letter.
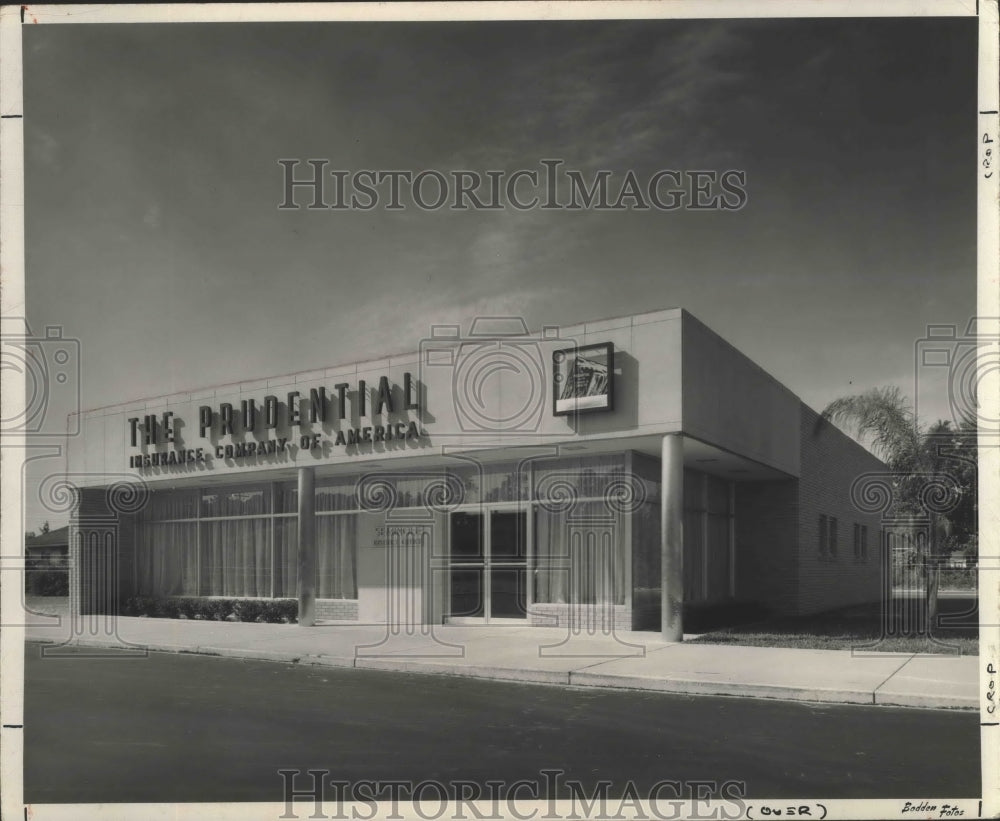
x: 166, y: 559
x: 241, y: 541
x: 707, y: 537
x: 581, y: 478
x: 694, y: 490
x: 718, y: 496
x: 236, y: 501
x: 579, y: 558
x: 236, y: 557
x: 336, y: 495
x: 694, y: 555
x: 227, y: 548
x: 336, y: 556
x: 286, y: 497
x: 331, y: 495
x: 286, y: 556
x: 493, y: 483
x: 172, y: 504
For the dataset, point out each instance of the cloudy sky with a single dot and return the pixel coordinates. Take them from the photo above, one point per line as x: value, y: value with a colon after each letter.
x: 152, y: 185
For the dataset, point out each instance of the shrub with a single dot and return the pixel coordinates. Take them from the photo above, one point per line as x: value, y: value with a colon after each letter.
x: 165, y: 608
x: 249, y: 610
x: 274, y: 611
x: 138, y: 606
x: 47, y: 582
x: 187, y: 608
x: 958, y: 578
x: 281, y: 611
x: 218, y: 609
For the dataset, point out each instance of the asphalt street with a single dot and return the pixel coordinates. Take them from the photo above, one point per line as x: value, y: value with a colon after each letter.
x: 194, y: 728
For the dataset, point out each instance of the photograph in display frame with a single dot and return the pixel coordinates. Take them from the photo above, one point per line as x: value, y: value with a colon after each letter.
x: 583, y: 379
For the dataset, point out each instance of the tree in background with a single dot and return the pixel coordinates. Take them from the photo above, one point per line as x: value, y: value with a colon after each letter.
x: 30, y: 534
x: 933, y: 471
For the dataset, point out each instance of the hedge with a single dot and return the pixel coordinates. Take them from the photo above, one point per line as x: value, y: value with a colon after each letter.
x: 272, y: 611
x: 46, y: 582
x: 950, y: 578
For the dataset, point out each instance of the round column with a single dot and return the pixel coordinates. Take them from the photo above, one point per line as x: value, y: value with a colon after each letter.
x: 672, y: 537
x: 306, y: 582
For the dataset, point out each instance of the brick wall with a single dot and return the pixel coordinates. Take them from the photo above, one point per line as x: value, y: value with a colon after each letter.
x: 778, y: 561
x: 337, y: 609
x: 591, y: 617
x: 766, y: 544
x: 831, y: 462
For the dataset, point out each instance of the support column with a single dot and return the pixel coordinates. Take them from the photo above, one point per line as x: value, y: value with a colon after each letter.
x: 306, y: 582
x: 672, y: 537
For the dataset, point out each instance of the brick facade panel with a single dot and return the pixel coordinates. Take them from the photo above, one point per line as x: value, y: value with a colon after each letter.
x: 766, y: 544
x: 831, y: 463
x: 590, y: 616
x: 337, y: 609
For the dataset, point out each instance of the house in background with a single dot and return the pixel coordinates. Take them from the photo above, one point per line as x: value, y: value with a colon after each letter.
x: 46, y: 561
x: 47, y: 551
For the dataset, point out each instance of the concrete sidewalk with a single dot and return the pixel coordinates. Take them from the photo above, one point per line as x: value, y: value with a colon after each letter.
x: 638, y: 661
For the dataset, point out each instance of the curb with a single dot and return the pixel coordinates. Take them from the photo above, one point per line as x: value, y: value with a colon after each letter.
x: 925, y: 701
x: 728, y: 688
x: 674, y: 686
x: 493, y: 673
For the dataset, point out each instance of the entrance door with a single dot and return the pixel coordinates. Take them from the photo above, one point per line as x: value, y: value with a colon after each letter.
x: 489, y: 565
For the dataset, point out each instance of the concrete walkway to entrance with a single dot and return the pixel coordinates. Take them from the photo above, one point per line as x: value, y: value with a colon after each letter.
x: 636, y: 660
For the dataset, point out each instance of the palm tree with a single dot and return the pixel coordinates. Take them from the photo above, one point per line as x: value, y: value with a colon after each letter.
x: 928, y: 466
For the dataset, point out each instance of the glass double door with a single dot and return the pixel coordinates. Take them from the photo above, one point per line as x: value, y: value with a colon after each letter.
x: 489, y: 565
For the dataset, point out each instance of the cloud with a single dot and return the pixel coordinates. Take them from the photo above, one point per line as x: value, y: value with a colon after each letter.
x: 624, y: 95
x: 152, y: 216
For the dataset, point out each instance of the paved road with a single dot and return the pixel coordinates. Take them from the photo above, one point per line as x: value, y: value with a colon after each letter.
x: 195, y: 728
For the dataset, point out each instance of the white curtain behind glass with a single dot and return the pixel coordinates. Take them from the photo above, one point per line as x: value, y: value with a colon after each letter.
x: 580, y: 556
x: 167, y: 559
x: 236, y: 557
x: 336, y: 551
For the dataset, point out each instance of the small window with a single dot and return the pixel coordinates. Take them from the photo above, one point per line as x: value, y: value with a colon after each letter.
x: 832, y: 546
x: 822, y: 536
x: 864, y: 543
x: 857, y: 542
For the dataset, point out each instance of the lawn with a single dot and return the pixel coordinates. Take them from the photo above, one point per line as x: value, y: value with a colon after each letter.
x: 868, y: 627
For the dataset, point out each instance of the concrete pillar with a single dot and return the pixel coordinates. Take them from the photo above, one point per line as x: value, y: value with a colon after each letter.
x: 672, y: 537
x: 306, y: 582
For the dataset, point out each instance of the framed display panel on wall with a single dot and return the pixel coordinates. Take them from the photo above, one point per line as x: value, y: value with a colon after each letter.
x: 583, y: 379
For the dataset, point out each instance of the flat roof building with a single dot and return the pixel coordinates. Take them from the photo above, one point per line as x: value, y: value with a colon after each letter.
x: 620, y: 472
